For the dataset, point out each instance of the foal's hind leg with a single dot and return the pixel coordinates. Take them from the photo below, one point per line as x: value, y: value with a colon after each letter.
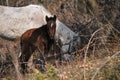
x: 25, y: 56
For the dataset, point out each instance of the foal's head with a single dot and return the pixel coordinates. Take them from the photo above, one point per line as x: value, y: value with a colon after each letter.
x: 51, y: 24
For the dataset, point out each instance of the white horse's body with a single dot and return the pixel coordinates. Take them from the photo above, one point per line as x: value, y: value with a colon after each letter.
x: 14, y: 21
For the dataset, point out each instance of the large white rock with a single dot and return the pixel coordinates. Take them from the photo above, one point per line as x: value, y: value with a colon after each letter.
x: 14, y: 21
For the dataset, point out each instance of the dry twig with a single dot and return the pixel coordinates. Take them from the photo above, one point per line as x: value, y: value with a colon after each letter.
x: 87, y: 51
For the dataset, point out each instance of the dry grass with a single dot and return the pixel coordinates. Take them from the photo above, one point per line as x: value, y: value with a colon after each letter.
x: 94, y: 68
x: 102, y: 64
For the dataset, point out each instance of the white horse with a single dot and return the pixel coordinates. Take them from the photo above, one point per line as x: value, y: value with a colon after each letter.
x: 14, y: 21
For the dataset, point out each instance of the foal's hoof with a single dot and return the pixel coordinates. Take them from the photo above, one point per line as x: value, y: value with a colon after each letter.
x: 42, y: 69
x: 24, y: 72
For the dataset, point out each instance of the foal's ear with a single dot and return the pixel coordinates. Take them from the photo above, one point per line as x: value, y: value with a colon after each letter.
x: 55, y: 17
x: 46, y: 18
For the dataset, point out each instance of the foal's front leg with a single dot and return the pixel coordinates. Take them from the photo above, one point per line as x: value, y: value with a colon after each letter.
x: 42, y: 58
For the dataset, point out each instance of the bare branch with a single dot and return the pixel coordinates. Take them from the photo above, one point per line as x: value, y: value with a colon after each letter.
x: 87, y: 50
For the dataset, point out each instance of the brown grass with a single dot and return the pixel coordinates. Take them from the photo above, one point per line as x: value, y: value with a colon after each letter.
x: 98, y: 65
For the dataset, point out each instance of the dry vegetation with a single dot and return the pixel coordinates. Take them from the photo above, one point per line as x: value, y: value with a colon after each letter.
x: 98, y: 58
